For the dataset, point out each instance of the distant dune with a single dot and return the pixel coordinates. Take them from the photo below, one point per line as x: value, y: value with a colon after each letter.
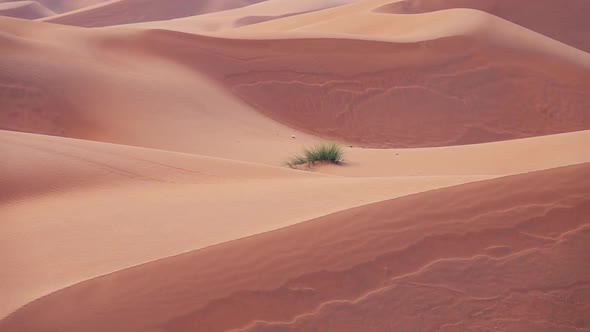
x: 263, y: 11
x: 431, y: 93
x: 134, y: 11
x: 55, y: 190
x: 487, y: 254
x: 63, y: 6
x: 144, y: 183
x: 566, y: 21
x: 57, y: 6
x: 24, y: 9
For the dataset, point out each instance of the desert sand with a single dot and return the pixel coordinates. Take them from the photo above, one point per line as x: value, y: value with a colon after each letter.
x: 143, y: 185
x: 24, y: 9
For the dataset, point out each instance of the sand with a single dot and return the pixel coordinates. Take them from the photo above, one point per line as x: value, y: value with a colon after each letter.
x: 499, y: 248
x: 133, y: 11
x: 564, y: 22
x: 24, y: 9
x: 144, y: 188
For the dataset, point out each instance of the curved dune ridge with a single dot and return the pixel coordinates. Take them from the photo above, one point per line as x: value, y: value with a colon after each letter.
x: 144, y: 184
x: 507, y: 254
x: 48, y: 183
x: 432, y: 93
x: 563, y: 21
x: 24, y: 9
x: 228, y: 19
x: 134, y: 11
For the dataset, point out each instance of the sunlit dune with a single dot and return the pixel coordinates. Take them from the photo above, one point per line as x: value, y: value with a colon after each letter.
x: 24, y: 9
x: 282, y: 165
x: 132, y: 11
x: 500, y: 247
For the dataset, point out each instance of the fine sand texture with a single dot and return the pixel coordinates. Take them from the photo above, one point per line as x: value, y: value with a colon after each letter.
x: 144, y: 183
x: 24, y: 9
x: 509, y: 254
x: 133, y: 11
x: 563, y: 21
x: 432, y: 93
x: 52, y: 7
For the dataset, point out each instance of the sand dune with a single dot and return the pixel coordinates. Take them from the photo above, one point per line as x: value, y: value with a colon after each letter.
x: 508, y: 253
x: 497, y: 158
x: 24, y: 9
x: 563, y: 21
x: 430, y: 94
x: 53, y: 190
x: 143, y: 185
x: 260, y: 12
x: 62, y: 6
x: 108, y: 93
x: 132, y: 11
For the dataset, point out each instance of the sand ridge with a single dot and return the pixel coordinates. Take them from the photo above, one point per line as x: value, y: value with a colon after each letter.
x: 380, y: 102
x: 144, y: 188
x: 234, y: 18
x: 24, y: 9
x: 117, y: 12
x: 563, y: 22
x: 421, y: 246
x: 55, y: 189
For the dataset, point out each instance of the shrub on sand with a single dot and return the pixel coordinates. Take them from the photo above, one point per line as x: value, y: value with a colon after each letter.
x: 323, y: 152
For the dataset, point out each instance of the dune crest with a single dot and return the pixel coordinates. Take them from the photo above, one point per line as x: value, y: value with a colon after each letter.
x: 432, y: 93
x: 267, y: 10
x: 134, y: 11
x: 146, y: 181
x: 53, y: 190
x: 436, y: 245
x: 24, y: 9
x: 565, y: 22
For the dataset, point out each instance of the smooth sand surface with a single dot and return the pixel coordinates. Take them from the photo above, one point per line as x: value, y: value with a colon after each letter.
x: 563, y: 21
x: 228, y: 19
x: 63, y: 6
x: 55, y: 190
x: 24, y: 9
x: 143, y: 184
x: 116, y: 12
x: 339, y: 88
x: 507, y: 254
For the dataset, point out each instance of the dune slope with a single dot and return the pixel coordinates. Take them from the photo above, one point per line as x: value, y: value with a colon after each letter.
x: 563, y: 21
x: 260, y: 12
x: 63, y: 200
x: 24, y: 9
x: 62, y: 6
x: 107, y: 93
x: 134, y: 11
x: 431, y: 93
x: 501, y: 253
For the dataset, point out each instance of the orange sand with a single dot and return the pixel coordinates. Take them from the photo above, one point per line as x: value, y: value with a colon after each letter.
x: 24, y: 9
x: 143, y: 185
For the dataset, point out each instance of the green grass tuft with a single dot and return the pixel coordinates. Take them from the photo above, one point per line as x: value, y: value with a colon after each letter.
x: 328, y: 152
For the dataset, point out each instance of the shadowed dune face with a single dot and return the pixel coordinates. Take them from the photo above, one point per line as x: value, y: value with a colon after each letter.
x: 441, y: 92
x: 450, y: 236
x: 455, y: 90
x: 24, y: 9
x: 263, y: 11
x: 59, y: 6
x: 63, y: 6
x: 566, y: 21
x: 507, y: 254
x: 135, y: 11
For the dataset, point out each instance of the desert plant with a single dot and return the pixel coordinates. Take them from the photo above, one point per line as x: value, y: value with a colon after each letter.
x: 328, y: 152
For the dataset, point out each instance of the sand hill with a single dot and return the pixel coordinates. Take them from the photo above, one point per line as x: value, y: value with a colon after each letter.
x: 24, y: 9
x: 144, y: 188
x: 132, y: 11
